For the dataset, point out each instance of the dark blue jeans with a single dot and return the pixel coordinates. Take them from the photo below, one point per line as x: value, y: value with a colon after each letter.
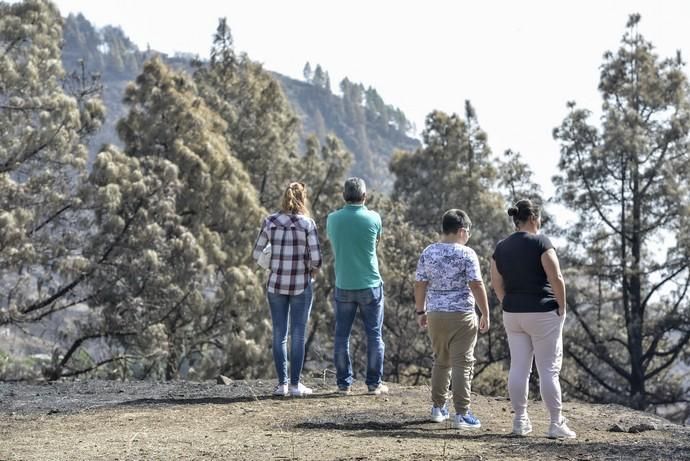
x: 295, y: 309
x: 370, y: 304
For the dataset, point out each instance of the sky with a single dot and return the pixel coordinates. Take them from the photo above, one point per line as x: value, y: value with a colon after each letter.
x: 518, y: 62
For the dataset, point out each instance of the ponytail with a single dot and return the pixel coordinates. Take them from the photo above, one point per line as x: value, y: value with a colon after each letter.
x: 522, y: 211
x: 295, y: 199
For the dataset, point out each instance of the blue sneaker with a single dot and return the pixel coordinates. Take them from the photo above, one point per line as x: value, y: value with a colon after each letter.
x: 439, y: 415
x: 467, y: 421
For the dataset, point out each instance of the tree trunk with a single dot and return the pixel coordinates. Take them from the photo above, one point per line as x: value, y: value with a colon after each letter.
x: 171, y: 363
x: 637, y: 382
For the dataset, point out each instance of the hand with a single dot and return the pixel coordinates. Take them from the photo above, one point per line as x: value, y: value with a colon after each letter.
x: 484, y: 324
x: 561, y: 311
x: 422, y: 321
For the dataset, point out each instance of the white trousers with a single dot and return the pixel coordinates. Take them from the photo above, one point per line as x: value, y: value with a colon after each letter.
x: 537, y: 335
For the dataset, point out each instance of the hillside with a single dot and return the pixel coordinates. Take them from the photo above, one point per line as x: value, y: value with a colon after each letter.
x: 371, y: 139
x: 367, y: 133
x: 99, y: 420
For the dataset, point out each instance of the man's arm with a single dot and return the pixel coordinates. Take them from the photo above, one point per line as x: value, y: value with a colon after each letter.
x: 420, y: 303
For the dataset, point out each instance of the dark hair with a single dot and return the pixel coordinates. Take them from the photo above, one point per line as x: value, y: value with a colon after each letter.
x: 523, y: 210
x: 354, y: 190
x: 454, y: 220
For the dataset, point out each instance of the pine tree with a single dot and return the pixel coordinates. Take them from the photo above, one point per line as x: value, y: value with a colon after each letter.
x: 516, y: 178
x: 307, y: 72
x: 627, y: 180
x: 454, y: 169
x: 43, y: 128
x: 261, y: 126
x: 319, y: 79
x: 180, y: 214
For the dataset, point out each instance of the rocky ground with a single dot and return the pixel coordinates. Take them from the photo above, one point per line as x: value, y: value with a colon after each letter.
x: 107, y: 420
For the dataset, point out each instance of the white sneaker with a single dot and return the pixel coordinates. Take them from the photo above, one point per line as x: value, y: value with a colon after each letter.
x: 378, y: 390
x: 300, y: 390
x: 280, y: 390
x: 439, y: 415
x: 561, y: 430
x: 522, y: 426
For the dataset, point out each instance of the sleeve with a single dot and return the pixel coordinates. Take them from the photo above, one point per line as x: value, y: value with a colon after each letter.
x: 497, y: 251
x: 379, y: 224
x: 544, y: 244
x: 474, y: 272
x: 261, y: 241
x: 421, y: 274
x: 314, y: 247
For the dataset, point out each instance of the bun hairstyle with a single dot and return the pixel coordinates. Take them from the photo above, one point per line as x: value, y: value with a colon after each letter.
x: 295, y: 199
x: 523, y: 210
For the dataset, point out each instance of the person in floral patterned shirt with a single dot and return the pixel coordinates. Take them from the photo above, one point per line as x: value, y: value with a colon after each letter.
x: 448, y: 283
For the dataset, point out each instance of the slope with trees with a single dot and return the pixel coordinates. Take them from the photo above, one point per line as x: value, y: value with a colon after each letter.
x: 145, y: 263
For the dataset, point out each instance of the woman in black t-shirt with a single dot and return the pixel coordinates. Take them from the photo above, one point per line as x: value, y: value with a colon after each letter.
x: 527, y: 279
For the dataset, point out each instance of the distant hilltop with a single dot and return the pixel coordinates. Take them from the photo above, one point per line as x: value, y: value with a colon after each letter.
x: 369, y: 128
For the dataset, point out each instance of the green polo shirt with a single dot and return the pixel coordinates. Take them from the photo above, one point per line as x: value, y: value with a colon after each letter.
x: 353, y: 232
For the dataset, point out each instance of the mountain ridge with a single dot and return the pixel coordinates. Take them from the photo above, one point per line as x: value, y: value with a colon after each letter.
x: 370, y: 135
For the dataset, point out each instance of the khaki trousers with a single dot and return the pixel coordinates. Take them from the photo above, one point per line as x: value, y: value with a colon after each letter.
x: 453, y: 337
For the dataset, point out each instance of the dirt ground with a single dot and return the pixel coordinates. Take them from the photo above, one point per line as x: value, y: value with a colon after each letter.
x: 103, y: 420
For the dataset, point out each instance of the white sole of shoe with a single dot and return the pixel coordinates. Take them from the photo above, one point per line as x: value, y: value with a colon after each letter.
x: 560, y: 437
x: 466, y: 426
x: 438, y: 419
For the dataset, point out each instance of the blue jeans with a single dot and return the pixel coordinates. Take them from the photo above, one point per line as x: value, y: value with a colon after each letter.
x: 370, y: 304
x: 296, y: 308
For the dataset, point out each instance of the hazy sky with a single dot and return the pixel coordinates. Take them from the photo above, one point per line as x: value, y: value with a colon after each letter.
x: 519, y: 62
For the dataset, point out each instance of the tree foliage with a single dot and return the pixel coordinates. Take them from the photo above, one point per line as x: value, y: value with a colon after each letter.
x: 44, y: 120
x: 178, y: 211
x: 261, y: 127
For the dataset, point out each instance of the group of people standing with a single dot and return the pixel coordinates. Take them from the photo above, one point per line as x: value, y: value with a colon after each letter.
x: 525, y: 276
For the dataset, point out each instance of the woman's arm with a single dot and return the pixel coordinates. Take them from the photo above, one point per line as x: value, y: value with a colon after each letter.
x: 479, y: 293
x: 497, y: 281
x: 549, y: 261
x: 261, y: 241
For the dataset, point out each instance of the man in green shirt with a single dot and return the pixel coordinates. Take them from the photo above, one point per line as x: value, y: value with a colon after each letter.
x: 354, y: 232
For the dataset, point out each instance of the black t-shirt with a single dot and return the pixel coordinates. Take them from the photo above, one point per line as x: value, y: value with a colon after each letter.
x: 518, y: 260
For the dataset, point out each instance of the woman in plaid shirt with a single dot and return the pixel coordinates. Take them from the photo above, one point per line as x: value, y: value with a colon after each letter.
x: 295, y: 257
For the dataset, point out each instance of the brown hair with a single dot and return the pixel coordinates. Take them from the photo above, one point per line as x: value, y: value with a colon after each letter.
x: 523, y: 210
x: 295, y: 199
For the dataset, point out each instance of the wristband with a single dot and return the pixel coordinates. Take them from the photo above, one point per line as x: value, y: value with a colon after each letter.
x: 420, y: 312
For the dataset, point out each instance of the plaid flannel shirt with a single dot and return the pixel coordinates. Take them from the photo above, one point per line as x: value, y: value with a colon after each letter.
x: 295, y: 251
